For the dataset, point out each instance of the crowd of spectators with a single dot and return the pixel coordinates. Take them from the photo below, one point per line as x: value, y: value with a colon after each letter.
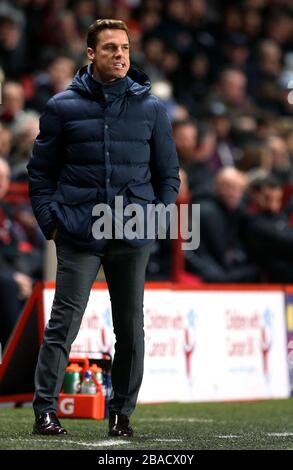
x: 224, y: 71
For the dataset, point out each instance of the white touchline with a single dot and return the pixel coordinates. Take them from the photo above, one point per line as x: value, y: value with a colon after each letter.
x: 167, y: 440
x: 90, y: 444
x: 67, y: 441
x: 271, y: 434
x: 105, y: 443
x: 188, y: 420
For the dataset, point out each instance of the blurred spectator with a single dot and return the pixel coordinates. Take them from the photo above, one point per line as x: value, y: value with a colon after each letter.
x: 276, y: 159
x: 256, y: 181
x: 185, y: 135
x: 25, y: 133
x: 175, y: 26
x: 149, y: 19
x: 232, y: 19
x: 13, y: 51
x: 13, y: 104
x: 252, y: 22
x: 235, y: 50
x: 195, y: 156
x: 15, y: 281
x: 279, y: 26
x: 226, y: 153
x: 231, y: 90
x: 154, y: 49
x: 267, y: 125
x: 71, y: 38
x: 49, y: 32
x: 270, y: 233
x: 58, y: 75
x: 263, y: 76
x: 222, y: 256
x: 85, y: 13
x: 192, y: 87
x: 20, y: 128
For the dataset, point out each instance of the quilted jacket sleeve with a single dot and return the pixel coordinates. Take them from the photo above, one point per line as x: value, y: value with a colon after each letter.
x: 44, y: 167
x: 164, y: 160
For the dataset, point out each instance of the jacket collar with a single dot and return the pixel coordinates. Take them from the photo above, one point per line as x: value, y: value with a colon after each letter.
x: 110, y: 90
x: 135, y: 82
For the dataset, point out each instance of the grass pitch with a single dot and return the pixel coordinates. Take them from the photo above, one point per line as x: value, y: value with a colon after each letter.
x: 193, y: 426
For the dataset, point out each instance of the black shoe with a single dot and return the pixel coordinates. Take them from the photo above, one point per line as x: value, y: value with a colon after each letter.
x: 119, y: 426
x: 47, y: 424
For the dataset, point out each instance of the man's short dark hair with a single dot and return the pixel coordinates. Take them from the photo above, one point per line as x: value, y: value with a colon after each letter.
x: 272, y: 182
x: 100, y: 25
x: 183, y: 122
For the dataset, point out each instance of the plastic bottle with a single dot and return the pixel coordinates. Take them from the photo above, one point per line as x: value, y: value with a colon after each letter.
x: 98, y: 372
x: 88, y: 386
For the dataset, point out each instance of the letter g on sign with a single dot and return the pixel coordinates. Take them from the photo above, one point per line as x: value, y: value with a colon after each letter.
x: 67, y: 406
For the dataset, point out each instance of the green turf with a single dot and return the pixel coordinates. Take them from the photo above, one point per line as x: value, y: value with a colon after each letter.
x: 168, y: 426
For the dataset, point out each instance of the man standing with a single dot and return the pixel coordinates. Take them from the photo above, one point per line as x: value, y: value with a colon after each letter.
x: 105, y: 136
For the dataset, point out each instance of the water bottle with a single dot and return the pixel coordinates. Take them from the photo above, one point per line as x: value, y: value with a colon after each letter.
x: 98, y: 373
x: 88, y: 386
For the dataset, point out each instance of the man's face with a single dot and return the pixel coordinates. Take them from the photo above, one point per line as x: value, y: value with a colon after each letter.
x: 185, y: 137
x: 110, y: 58
x: 13, y: 98
x: 230, y: 189
x: 233, y: 87
x: 272, y: 199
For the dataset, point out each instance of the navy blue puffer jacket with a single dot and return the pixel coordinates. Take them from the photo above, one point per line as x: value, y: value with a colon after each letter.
x: 98, y: 140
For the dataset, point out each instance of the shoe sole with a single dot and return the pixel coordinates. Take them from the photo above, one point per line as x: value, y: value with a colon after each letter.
x: 37, y: 433
x: 120, y: 435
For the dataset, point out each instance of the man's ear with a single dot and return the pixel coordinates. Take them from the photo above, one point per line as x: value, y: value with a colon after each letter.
x: 90, y: 53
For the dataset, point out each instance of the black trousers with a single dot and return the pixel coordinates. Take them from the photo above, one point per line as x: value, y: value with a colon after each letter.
x: 124, y: 268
